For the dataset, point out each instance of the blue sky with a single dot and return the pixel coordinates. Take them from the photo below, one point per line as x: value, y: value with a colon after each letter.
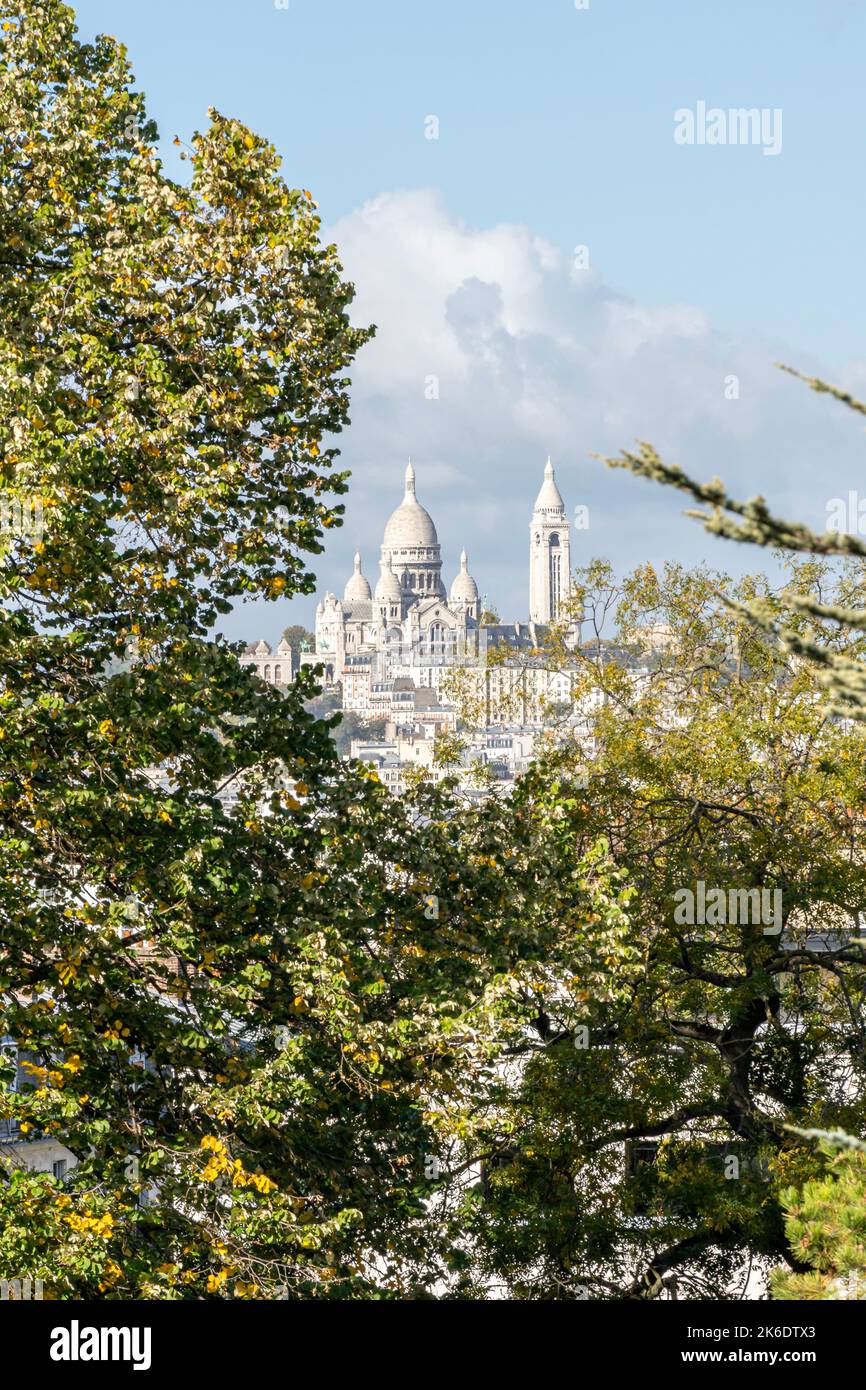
x: 555, y: 130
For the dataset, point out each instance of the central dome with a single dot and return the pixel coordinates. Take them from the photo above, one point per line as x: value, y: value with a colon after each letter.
x: 410, y: 525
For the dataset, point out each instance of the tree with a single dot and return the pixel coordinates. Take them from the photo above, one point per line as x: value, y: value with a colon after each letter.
x: 296, y: 635
x: 839, y: 666
x: 352, y: 726
x: 826, y: 1225
x: 649, y: 1140
x: 254, y: 1021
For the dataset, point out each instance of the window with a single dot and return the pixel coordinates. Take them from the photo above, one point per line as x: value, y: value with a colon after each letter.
x: 640, y: 1155
x: 555, y: 576
x: 58, y: 1168
x: 638, y: 1152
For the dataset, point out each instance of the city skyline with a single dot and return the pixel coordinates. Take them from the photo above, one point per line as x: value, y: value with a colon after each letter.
x: 551, y: 272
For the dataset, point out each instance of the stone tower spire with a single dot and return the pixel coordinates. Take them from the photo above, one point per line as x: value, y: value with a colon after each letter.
x: 464, y: 590
x: 549, y: 552
x: 357, y: 589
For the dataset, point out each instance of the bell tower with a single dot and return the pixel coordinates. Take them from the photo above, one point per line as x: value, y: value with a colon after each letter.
x: 549, y: 553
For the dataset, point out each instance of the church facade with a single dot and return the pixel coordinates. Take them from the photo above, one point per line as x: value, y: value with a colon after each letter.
x: 410, y: 608
x: 411, y: 621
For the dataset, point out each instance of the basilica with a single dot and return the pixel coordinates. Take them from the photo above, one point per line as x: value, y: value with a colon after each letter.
x: 411, y: 618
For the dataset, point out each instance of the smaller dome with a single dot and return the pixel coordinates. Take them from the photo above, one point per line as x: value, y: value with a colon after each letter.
x: 357, y: 589
x: 388, y: 587
x: 464, y: 589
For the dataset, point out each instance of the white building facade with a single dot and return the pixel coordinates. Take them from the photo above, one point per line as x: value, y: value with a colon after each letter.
x: 411, y: 625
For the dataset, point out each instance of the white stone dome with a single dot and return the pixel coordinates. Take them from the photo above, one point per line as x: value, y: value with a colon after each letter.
x: 357, y: 589
x: 410, y: 525
x: 464, y: 589
x: 549, y: 500
x: 388, y: 587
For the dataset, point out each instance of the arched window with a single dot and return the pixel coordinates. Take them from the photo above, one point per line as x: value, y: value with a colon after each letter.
x: 278, y: 675
x: 266, y: 673
x: 555, y: 577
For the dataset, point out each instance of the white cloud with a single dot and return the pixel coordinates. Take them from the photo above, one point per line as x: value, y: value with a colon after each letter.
x: 534, y: 356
